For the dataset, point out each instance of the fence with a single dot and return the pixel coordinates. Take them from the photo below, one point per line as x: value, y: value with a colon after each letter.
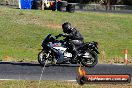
x: 102, y: 7
x: 81, y: 6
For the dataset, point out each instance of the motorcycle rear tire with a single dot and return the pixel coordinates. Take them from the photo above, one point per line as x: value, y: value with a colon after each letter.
x: 94, y: 55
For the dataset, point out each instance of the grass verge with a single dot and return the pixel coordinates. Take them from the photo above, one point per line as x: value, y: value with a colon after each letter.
x: 56, y: 84
x: 21, y: 32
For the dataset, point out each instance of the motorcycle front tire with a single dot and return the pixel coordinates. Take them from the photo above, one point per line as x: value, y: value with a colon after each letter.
x: 42, y: 58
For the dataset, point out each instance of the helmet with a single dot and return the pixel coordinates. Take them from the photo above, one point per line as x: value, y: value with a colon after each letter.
x: 66, y: 27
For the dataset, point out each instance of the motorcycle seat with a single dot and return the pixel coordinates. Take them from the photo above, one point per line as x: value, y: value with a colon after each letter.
x: 80, y: 46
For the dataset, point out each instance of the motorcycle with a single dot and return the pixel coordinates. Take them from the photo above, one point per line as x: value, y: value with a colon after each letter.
x: 57, y: 52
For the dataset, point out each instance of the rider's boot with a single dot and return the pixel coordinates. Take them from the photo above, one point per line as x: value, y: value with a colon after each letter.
x: 74, y: 53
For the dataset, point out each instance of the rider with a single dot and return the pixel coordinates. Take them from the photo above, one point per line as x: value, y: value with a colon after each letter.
x: 73, y: 35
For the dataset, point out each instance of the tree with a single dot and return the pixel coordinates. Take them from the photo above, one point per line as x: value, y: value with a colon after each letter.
x: 112, y: 2
x: 127, y: 2
x: 78, y: 1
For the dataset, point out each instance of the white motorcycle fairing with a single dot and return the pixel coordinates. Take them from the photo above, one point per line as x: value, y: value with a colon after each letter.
x: 62, y: 55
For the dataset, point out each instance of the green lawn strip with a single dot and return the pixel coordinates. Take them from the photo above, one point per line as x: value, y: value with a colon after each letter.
x: 56, y: 84
x: 21, y: 31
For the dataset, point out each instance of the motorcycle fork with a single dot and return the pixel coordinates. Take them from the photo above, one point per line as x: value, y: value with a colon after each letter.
x: 53, y: 59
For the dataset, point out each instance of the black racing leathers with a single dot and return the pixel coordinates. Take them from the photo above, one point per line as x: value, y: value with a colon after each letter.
x: 73, y: 34
x: 75, y: 39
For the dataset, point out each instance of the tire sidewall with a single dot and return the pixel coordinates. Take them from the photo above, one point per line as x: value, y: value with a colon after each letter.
x: 39, y: 59
x: 95, y: 61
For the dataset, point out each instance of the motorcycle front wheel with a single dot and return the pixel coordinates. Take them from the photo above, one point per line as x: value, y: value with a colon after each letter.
x: 90, y: 59
x: 43, y: 58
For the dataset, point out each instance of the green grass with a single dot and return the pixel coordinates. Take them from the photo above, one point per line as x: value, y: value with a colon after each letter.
x: 10, y: 2
x: 21, y: 31
x: 56, y: 84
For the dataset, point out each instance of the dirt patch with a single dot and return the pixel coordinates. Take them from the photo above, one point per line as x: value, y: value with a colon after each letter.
x: 36, y: 21
x: 54, y: 26
x: 118, y: 61
x: 7, y: 58
x: 20, y: 14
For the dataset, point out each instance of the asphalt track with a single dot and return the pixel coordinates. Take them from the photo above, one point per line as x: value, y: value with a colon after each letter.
x: 32, y: 71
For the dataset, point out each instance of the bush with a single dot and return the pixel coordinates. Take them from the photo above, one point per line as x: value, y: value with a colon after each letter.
x: 127, y: 2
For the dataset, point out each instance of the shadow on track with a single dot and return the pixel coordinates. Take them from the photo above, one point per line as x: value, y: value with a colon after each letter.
x: 21, y: 63
x: 37, y: 64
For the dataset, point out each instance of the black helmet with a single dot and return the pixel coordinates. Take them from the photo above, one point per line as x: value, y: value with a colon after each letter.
x: 66, y: 27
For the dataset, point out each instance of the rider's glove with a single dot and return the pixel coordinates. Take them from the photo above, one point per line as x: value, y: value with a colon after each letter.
x: 59, y: 35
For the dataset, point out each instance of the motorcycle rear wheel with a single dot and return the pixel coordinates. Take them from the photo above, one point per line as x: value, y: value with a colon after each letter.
x: 91, y: 61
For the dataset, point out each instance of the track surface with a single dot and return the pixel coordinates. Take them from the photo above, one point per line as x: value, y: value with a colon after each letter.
x: 32, y: 71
